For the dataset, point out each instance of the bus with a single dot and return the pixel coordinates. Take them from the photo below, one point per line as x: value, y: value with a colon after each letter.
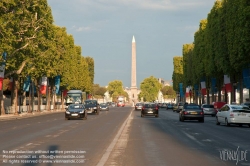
x: 74, y: 97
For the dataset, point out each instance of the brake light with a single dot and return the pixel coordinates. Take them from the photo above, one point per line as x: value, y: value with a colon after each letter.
x: 143, y: 108
x: 156, y: 108
x: 231, y: 115
x: 202, y: 113
x: 185, y: 112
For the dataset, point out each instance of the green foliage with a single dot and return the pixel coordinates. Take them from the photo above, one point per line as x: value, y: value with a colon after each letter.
x: 38, y: 48
x: 168, y: 92
x: 149, y: 89
x: 97, y: 90
x: 177, y: 76
x: 115, y: 89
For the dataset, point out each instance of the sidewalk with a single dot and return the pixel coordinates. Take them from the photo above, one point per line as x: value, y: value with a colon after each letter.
x: 26, y: 114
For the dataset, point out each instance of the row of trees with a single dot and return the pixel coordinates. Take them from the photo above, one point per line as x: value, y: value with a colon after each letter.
x: 149, y: 89
x: 221, y: 47
x: 36, y: 47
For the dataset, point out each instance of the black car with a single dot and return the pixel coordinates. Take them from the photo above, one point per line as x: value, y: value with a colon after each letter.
x: 150, y: 109
x: 92, y: 106
x: 75, y: 111
x: 104, y: 106
x: 191, y: 112
x: 169, y: 106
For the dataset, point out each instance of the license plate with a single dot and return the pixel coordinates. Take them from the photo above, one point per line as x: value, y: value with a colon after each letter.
x: 242, y: 114
x: 150, y: 111
x: 89, y: 111
x: 74, y: 114
x: 193, y: 113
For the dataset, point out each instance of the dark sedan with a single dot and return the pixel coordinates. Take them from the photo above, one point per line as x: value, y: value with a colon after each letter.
x: 104, y: 106
x: 169, y: 106
x: 191, y: 112
x: 75, y: 111
x: 150, y: 109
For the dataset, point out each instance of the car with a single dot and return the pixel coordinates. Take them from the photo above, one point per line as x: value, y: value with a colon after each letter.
x: 92, y: 106
x: 138, y: 106
x: 191, y: 112
x: 74, y: 111
x: 208, y: 109
x: 150, y: 109
x: 175, y: 107
x: 233, y: 114
x: 104, y: 106
x: 179, y: 106
x: 113, y: 104
x: 246, y: 103
x: 169, y: 106
x: 164, y: 105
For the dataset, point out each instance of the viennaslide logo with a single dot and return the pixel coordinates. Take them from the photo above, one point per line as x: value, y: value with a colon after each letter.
x: 234, y: 155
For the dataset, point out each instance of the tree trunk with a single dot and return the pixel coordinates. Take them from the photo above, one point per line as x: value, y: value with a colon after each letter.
x: 14, y: 97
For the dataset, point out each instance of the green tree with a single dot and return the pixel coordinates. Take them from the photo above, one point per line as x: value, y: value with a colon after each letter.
x: 168, y: 92
x: 150, y: 88
x: 115, y: 89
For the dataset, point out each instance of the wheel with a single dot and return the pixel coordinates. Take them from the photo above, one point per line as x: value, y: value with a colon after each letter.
x: 226, y: 121
x: 66, y: 118
x: 217, y: 122
x: 182, y: 118
x: 248, y: 125
x: 97, y: 112
x: 142, y: 115
x: 157, y: 116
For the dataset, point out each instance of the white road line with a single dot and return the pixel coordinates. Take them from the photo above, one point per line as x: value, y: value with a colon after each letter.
x: 192, y: 138
x: 112, y: 144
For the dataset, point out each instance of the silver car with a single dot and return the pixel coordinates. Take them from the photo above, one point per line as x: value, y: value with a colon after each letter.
x: 208, y: 109
x: 233, y: 114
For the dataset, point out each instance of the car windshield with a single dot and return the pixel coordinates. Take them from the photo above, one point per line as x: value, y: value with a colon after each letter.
x: 103, y: 104
x: 149, y: 105
x: 181, y: 104
x: 208, y: 106
x: 73, y: 106
x: 192, y: 107
x: 238, y: 107
x: 90, y: 102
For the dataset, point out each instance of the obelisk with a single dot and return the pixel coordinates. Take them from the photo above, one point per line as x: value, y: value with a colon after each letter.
x: 133, y: 88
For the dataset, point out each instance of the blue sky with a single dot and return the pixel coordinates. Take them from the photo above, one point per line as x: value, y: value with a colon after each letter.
x: 104, y: 30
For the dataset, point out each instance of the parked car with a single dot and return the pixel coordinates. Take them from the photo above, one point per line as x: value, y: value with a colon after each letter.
x: 208, y: 109
x: 74, y: 111
x: 104, y: 106
x: 138, y: 106
x: 218, y: 105
x: 233, y: 114
x: 169, y: 106
x: 92, y: 106
x: 191, y: 112
x: 150, y: 109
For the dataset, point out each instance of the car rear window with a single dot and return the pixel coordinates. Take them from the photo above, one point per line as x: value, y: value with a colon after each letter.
x: 149, y: 105
x: 192, y: 107
x: 208, y: 106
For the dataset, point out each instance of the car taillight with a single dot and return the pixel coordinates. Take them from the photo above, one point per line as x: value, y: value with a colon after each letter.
x: 202, y: 113
x: 143, y: 108
x: 185, y: 112
x: 156, y: 108
x: 231, y: 115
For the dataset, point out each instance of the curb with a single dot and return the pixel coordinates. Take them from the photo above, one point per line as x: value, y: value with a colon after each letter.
x: 12, y: 116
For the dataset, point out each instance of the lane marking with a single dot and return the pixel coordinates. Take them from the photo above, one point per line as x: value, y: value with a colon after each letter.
x: 112, y: 144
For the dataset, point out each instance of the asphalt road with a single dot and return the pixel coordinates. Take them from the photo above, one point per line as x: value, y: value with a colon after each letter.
x: 120, y: 137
